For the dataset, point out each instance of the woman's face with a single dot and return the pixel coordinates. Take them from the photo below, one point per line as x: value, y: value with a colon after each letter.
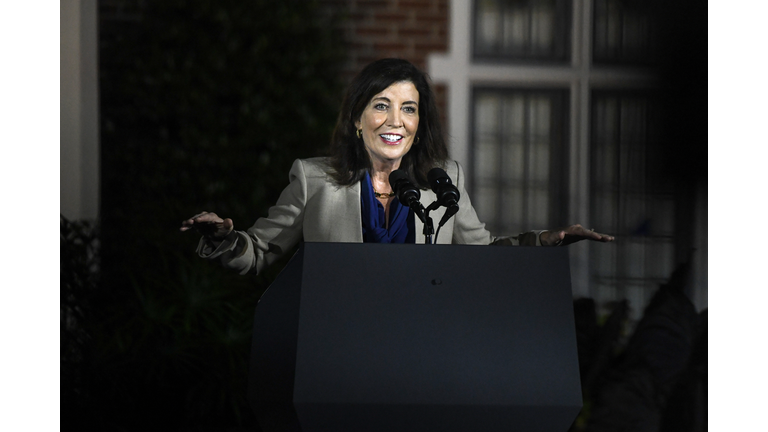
x: 390, y: 122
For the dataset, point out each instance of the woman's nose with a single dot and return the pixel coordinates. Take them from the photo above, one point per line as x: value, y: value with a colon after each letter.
x: 394, y: 118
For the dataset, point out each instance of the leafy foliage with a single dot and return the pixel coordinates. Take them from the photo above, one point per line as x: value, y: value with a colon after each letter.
x: 78, y: 270
x: 204, y: 106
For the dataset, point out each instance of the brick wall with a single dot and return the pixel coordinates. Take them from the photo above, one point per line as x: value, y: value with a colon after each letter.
x: 408, y: 29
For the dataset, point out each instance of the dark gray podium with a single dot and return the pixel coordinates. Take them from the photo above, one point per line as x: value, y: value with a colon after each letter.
x: 382, y: 337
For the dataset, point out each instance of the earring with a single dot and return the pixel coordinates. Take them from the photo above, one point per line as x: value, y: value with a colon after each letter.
x: 417, y: 141
x: 360, y: 133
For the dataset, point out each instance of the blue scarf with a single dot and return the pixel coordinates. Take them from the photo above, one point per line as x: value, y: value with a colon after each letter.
x: 401, y: 223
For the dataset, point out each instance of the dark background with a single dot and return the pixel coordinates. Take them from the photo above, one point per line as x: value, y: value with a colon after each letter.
x: 204, y: 106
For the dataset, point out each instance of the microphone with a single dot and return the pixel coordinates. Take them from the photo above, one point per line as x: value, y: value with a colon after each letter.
x: 447, y: 194
x: 406, y: 192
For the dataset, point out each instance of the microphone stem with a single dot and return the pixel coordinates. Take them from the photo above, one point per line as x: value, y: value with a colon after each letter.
x: 429, y: 227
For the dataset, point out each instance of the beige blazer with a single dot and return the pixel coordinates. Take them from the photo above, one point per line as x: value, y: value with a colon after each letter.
x: 315, y: 208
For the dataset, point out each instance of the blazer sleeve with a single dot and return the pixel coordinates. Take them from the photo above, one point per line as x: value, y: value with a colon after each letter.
x: 468, y: 229
x: 270, y: 237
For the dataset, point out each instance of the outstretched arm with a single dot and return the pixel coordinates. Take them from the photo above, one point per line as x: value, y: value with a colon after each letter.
x: 572, y: 234
x: 269, y: 238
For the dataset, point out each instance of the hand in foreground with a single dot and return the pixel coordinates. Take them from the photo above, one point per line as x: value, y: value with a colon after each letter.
x: 209, y: 225
x: 572, y: 234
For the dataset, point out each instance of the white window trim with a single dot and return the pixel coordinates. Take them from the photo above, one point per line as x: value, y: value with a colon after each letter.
x: 79, y: 118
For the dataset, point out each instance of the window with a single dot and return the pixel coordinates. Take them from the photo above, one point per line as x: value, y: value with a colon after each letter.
x: 624, y: 32
x: 518, y: 158
x: 522, y: 29
x: 626, y: 200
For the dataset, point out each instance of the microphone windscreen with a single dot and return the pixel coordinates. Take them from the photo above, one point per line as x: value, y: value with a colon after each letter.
x: 406, y: 192
x: 436, y: 176
x: 397, y: 176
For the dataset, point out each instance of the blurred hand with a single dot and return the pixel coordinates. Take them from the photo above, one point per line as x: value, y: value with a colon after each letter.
x: 572, y: 234
x: 209, y: 225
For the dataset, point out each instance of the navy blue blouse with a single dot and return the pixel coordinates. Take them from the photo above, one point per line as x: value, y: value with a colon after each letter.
x: 401, y: 218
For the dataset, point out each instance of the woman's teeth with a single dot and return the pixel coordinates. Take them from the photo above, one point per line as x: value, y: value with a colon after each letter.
x: 391, y: 138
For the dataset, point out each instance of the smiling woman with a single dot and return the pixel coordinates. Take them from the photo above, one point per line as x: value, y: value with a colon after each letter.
x: 388, y: 121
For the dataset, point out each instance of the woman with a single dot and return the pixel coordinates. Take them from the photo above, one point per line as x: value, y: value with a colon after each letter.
x: 388, y: 121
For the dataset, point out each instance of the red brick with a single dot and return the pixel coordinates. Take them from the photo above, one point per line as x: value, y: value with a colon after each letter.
x: 414, y: 31
x: 425, y: 18
x: 418, y: 61
x: 430, y: 46
x: 419, y: 5
x: 374, y: 29
x: 390, y: 46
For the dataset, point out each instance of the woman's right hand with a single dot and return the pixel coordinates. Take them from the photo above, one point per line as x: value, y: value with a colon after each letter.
x: 209, y: 225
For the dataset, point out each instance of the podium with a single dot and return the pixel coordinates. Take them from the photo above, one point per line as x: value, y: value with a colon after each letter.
x: 403, y: 337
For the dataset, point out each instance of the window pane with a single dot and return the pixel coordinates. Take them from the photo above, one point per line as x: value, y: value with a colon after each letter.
x: 518, y: 158
x: 522, y: 29
x: 510, y: 205
x: 626, y: 202
x: 488, y: 28
x: 624, y: 32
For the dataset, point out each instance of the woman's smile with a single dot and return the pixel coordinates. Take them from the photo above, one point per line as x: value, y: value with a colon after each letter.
x: 391, y: 139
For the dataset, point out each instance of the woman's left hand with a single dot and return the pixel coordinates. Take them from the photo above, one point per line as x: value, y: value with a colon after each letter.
x: 572, y: 234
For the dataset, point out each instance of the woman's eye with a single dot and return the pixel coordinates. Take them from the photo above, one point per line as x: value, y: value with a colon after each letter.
x: 380, y: 106
x: 409, y: 109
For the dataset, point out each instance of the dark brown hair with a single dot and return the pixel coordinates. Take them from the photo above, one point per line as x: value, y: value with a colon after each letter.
x: 349, y: 158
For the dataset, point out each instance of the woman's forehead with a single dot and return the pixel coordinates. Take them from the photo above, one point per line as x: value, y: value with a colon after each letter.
x: 400, y: 90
